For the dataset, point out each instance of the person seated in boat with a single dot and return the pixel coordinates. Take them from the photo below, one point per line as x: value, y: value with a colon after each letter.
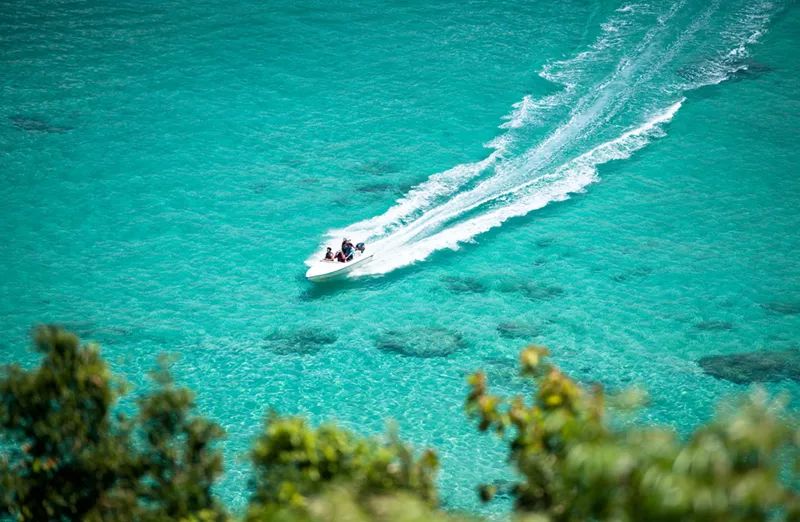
x: 348, y: 249
x: 329, y: 255
x: 340, y: 257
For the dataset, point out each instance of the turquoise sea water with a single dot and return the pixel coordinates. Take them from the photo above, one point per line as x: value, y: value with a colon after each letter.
x: 615, y: 180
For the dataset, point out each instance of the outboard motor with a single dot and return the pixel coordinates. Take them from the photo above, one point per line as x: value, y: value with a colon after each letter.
x: 360, y: 247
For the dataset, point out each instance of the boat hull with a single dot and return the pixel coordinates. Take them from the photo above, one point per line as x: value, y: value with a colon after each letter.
x: 328, y: 270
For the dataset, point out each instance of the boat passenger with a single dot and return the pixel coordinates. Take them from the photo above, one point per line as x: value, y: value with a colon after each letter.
x: 329, y: 254
x: 349, y: 252
x: 348, y: 249
x: 340, y: 257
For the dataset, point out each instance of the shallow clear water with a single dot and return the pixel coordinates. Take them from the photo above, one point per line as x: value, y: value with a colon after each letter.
x: 619, y: 182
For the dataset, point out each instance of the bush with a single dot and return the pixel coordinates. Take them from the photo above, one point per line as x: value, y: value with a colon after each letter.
x: 295, y: 462
x: 67, y: 457
x: 739, y: 467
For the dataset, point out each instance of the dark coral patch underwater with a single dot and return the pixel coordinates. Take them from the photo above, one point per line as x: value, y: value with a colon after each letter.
x: 423, y: 343
x: 749, y: 367
x: 534, y: 291
x: 377, y: 188
x: 517, y: 330
x: 714, y: 326
x: 783, y: 307
x: 378, y: 168
x: 302, y: 341
x: 464, y: 285
x: 634, y: 273
x: 36, y: 124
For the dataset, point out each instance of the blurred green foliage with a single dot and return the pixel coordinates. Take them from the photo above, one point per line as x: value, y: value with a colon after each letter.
x: 342, y: 503
x: 575, y: 466
x: 65, y: 455
x: 177, y: 454
x: 294, y: 461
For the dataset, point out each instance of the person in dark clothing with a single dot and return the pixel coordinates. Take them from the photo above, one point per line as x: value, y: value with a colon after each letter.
x: 348, y: 249
x: 340, y: 257
x: 329, y: 254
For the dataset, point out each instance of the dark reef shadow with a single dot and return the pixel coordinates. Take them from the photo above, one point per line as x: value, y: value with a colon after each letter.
x: 782, y: 307
x: 90, y: 331
x: 749, y: 367
x: 464, y: 285
x: 373, y: 188
x: 378, y: 168
x: 533, y: 290
x: 518, y: 330
x: 31, y: 123
x: 545, y: 242
x: 633, y: 273
x: 714, y: 326
x: 750, y: 69
x: 299, y: 341
x: 422, y: 343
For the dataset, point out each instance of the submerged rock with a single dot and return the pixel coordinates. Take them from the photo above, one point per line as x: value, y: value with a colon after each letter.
x: 734, y: 70
x: 537, y: 291
x: 783, y: 307
x: 35, y: 124
x: 751, y: 69
x: 634, y: 273
x: 89, y: 331
x: 421, y: 342
x: 259, y: 188
x: 376, y: 188
x: 378, y: 167
x: 303, y: 341
x: 533, y: 290
x: 714, y: 326
x: 517, y: 330
x: 744, y: 368
x: 464, y: 285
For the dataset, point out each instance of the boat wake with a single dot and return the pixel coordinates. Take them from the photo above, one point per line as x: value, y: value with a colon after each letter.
x: 613, y: 99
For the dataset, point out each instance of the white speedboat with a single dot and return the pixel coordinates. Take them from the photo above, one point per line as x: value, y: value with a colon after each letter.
x: 325, y: 270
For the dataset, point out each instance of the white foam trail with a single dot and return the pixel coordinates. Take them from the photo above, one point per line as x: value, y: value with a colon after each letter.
x: 454, y: 206
x: 444, y: 184
x: 396, y: 222
x: 528, y: 110
x: 749, y: 25
x: 568, y: 179
x: 418, y: 199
